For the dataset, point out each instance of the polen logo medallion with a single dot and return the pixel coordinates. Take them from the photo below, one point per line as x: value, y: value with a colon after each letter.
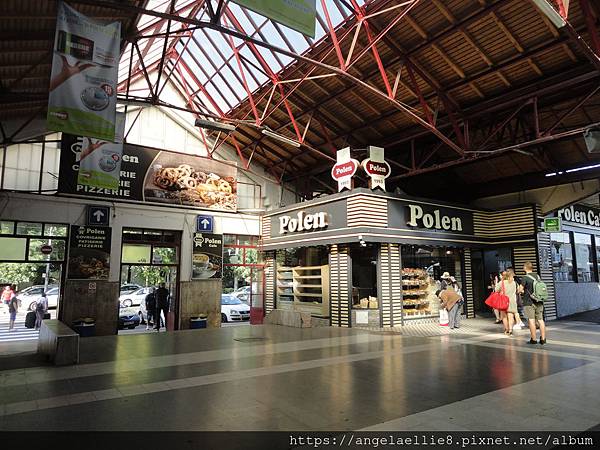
x: 376, y: 168
x: 344, y: 169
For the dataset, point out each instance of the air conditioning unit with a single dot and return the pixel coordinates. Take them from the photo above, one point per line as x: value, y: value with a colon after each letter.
x: 592, y: 140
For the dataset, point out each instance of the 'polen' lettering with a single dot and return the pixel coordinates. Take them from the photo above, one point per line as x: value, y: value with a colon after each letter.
x: 303, y: 222
x: 418, y: 218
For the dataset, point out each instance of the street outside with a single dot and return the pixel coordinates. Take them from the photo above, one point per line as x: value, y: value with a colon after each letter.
x: 21, y: 339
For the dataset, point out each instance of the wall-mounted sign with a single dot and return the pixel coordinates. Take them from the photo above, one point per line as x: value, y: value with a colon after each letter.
x: 89, y: 253
x: 83, y: 82
x: 152, y: 175
x: 98, y: 215
x: 552, y: 225
x: 204, y: 224
x: 207, y: 256
x: 46, y: 249
x: 303, y: 222
x: 582, y: 215
x: 376, y: 168
x: 344, y: 169
x: 433, y: 220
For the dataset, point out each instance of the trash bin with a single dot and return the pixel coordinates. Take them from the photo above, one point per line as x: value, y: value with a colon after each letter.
x: 85, y: 327
x: 198, y: 322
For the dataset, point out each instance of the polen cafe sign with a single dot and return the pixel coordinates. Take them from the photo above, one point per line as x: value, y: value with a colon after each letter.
x: 581, y: 215
x: 375, y: 166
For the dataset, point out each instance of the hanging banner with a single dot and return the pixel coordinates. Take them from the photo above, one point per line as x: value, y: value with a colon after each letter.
x: 83, y: 82
x: 344, y: 169
x: 100, y: 161
x: 299, y: 15
x: 376, y: 168
x: 151, y: 175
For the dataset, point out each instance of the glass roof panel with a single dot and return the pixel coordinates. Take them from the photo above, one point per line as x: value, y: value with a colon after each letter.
x: 208, y: 53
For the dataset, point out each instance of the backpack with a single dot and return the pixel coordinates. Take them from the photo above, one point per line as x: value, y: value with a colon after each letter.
x: 540, y: 290
x: 40, y: 305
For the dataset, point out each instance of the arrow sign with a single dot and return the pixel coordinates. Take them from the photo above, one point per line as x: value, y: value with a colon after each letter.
x: 204, y: 224
x: 98, y: 215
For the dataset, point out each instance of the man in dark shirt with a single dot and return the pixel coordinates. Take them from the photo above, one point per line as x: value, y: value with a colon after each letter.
x: 162, y: 305
x: 534, y: 311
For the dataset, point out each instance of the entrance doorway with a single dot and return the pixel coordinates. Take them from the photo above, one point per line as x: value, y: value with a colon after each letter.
x: 241, y: 302
x: 32, y: 259
x: 486, y: 266
x: 148, y: 259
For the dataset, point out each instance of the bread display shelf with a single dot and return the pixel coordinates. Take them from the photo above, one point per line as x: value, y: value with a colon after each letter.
x: 304, y: 288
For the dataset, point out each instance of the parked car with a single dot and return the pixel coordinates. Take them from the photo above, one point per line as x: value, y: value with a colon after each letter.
x: 134, y: 298
x: 233, y: 309
x: 243, y: 293
x: 30, y: 295
x: 128, y: 318
x: 129, y: 288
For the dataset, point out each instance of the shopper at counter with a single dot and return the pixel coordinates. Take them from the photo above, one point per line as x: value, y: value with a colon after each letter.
x: 451, y: 303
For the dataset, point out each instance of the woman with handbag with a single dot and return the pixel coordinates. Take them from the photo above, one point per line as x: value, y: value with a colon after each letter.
x: 508, y: 287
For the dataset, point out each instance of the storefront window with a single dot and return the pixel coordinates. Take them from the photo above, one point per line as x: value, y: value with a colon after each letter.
x: 57, y: 253
x: 364, y: 276
x: 585, y: 258
x: 53, y: 229
x: 422, y: 271
x: 7, y: 227
x: 562, y: 256
x: 302, y: 279
x: 164, y: 255
x: 597, y: 238
x: 240, y: 266
x: 29, y: 228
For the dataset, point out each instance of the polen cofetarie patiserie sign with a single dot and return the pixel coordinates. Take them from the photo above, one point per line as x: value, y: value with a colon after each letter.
x: 375, y: 166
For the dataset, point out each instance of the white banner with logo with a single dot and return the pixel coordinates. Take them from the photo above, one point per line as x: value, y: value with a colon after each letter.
x: 83, y: 82
x: 344, y: 169
x: 376, y: 168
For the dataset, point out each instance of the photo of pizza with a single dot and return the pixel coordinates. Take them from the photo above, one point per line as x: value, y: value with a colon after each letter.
x: 190, y: 181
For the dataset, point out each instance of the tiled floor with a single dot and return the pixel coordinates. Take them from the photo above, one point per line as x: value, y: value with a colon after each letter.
x: 278, y: 378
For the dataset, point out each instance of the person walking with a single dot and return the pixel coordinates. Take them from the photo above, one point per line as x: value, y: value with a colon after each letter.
x: 13, y: 308
x: 508, y: 287
x: 533, y: 309
x: 7, y: 294
x: 162, y: 305
x: 41, y: 308
x: 150, y: 302
x: 451, y: 303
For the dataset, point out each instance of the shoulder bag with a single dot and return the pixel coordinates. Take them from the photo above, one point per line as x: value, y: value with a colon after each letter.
x: 498, y: 300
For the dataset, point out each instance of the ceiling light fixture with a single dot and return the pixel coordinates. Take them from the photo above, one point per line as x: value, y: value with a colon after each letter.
x: 281, y: 138
x: 576, y: 169
x: 213, y: 125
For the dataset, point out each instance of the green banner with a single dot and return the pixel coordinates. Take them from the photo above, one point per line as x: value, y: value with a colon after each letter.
x: 83, y: 80
x: 299, y: 15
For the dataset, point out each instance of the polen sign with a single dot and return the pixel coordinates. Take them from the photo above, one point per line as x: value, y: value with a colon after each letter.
x: 376, y: 168
x: 303, y: 222
x: 344, y: 169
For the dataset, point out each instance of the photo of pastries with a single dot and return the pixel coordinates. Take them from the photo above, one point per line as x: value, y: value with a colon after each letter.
x: 192, y: 181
